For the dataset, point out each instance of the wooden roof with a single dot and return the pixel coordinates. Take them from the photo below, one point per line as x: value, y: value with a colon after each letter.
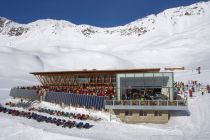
x: 94, y: 71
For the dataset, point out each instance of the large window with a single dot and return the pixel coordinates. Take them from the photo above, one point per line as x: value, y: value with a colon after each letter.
x: 148, y: 86
x: 82, y: 79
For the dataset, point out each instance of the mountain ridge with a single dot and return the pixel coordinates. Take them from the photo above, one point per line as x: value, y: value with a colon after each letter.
x: 137, y: 27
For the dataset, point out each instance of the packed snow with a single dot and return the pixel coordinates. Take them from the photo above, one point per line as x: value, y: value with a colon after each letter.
x: 174, y: 38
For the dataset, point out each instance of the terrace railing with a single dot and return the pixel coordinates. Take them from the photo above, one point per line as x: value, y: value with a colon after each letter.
x: 147, y: 104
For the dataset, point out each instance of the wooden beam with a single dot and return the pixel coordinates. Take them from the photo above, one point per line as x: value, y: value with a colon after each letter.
x: 40, y: 80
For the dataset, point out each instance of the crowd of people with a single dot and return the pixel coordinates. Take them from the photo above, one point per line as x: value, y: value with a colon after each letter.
x: 106, y: 90
x: 109, y: 91
x: 143, y: 94
x: 190, y: 87
x: 87, y: 90
x: 34, y: 87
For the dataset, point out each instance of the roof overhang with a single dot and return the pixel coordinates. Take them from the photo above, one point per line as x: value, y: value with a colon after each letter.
x: 94, y: 71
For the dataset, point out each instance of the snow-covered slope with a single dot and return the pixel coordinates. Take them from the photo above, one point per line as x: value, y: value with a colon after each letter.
x: 175, y: 37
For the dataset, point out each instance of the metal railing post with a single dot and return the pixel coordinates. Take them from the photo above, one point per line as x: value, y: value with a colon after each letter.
x: 187, y: 101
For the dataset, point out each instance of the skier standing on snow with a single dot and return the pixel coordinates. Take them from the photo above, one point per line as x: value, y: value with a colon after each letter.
x: 190, y: 92
x: 202, y: 91
x: 193, y: 89
x: 199, y: 70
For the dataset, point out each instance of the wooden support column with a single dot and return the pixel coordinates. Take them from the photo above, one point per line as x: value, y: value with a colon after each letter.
x: 56, y: 79
x: 103, y: 80
x: 110, y: 80
x: 96, y: 80
x: 44, y: 80
x: 69, y: 80
x: 40, y: 80
x: 51, y: 80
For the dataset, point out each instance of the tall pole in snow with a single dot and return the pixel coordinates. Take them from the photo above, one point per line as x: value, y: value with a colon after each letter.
x: 110, y: 116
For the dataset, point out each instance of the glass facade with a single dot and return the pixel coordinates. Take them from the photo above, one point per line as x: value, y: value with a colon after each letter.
x: 124, y: 85
x: 135, y: 85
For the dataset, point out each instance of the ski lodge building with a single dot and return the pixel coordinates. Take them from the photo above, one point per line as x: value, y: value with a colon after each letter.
x: 133, y: 95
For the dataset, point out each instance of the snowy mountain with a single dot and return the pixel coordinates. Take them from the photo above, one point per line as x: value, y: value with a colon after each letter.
x: 138, y: 27
x: 175, y: 37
